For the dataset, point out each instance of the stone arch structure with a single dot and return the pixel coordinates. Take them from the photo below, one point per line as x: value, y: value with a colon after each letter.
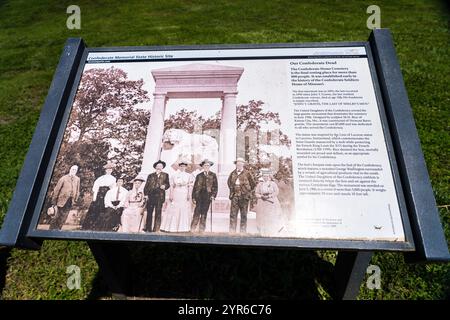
x: 197, y: 80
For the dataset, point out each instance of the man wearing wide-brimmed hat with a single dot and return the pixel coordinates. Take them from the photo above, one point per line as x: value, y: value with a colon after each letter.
x: 155, y: 190
x: 241, y: 185
x: 203, y: 192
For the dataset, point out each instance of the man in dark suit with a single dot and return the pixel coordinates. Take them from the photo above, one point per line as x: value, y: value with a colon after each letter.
x: 155, y: 191
x: 203, y: 192
x: 241, y: 185
x: 64, y: 196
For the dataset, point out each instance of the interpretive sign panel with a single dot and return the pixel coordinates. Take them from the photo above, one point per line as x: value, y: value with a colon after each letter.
x: 248, y: 143
x: 306, y: 146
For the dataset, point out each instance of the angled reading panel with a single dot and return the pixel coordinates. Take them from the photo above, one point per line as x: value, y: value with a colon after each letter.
x: 429, y: 238
x: 21, y: 224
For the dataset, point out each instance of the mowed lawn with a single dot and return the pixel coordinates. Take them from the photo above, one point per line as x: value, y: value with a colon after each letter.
x: 32, y: 35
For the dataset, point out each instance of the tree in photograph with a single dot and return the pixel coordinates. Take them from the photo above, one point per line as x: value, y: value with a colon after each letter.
x: 183, y: 119
x: 251, y: 116
x: 212, y: 122
x: 284, y: 172
x: 103, y: 94
x: 284, y: 139
x: 106, y: 124
x: 129, y: 137
x: 89, y: 156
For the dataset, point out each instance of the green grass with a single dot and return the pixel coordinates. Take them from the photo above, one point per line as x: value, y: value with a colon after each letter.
x: 32, y: 35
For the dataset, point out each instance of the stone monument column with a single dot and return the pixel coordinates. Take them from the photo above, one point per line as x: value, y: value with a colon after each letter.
x: 227, y: 143
x: 153, y: 140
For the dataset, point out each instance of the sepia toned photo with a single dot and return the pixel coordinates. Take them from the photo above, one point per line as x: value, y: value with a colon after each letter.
x: 176, y: 147
x: 287, y: 147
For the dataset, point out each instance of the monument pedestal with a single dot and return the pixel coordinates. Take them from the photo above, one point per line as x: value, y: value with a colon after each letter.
x: 222, y: 202
x: 221, y: 205
x: 223, y: 191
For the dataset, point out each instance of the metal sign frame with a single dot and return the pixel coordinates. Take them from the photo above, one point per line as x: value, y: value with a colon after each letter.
x: 424, y: 238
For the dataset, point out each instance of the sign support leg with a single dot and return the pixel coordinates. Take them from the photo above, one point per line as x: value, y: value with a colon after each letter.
x: 4, y: 255
x: 350, y: 270
x: 114, y: 261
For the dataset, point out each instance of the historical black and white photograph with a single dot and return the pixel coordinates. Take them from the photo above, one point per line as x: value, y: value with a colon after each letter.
x: 287, y: 147
x: 176, y: 147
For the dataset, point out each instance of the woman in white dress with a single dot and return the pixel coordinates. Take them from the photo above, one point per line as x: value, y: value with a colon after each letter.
x: 178, y: 215
x: 114, y: 204
x: 269, y: 217
x: 102, y: 184
x: 134, y: 206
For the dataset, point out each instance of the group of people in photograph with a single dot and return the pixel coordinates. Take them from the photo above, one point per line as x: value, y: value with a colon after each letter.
x: 190, y: 197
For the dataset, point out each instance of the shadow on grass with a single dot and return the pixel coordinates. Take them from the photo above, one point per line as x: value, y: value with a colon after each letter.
x: 4, y: 255
x: 168, y: 271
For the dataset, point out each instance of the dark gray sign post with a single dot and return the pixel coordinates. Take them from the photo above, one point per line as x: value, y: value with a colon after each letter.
x: 424, y: 237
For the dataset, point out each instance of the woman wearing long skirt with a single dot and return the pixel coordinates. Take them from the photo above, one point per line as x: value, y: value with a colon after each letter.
x: 178, y: 215
x: 102, y: 184
x: 114, y: 204
x: 134, y: 206
x: 269, y: 217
